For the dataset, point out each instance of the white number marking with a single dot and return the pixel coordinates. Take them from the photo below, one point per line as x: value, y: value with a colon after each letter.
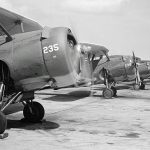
x: 56, y: 47
x: 50, y: 48
x: 45, y: 50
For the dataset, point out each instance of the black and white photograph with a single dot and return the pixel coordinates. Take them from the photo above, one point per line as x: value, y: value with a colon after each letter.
x: 75, y: 75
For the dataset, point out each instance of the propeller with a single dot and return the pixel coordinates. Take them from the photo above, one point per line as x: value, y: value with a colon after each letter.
x: 83, y: 65
x: 77, y: 46
x: 135, y: 65
x: 86, y: 65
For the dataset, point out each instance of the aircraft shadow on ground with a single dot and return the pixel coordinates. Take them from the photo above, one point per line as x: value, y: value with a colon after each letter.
x: 43, y: 125
x: 132, y: 97
x: 125, y: 97
x: 119, y: 87
x: 71, y: 96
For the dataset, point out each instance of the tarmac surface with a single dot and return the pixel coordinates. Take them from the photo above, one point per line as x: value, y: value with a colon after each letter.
x: 75, y: 119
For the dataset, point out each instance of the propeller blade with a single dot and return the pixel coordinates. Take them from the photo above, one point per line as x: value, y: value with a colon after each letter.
x: 134, y: 60
x: 73, y: 28
x: 84, y: 65
x: 137, y: 75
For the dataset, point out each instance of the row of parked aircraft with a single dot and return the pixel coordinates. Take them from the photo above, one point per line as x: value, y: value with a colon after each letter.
x: 115, y: 69
x: 32, y: 56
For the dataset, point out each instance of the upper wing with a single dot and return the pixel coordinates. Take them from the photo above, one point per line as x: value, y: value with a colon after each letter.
x: 14, y: 23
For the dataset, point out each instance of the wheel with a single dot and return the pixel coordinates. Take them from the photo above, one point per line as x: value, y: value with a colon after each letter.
x: 33, y: 112
x: 3, y: 123
x: 55, y: 88
x: 136, y: 87
x: 142, y: 87
x: 108, y: 93
x: 114, y: 91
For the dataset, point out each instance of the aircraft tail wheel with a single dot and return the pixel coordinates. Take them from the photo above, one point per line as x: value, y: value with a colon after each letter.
x: 33, y: 112
x: 114, y: 91
x: 142, y: 87
x: 136, y: 87
x: 3, y: 123
x: 108, y: 93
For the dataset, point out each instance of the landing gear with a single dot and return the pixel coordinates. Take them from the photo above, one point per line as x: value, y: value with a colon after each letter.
x: 108, y: 93
x: 142, y: 86
x: 114, y: 91
x: 33, y: 112
x: 3, y: 105
x: 2, y: 89
x: 136, y: 86
x: 3, y: 120
x: 3, y: 123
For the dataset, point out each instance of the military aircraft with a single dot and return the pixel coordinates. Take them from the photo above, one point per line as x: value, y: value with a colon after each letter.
x: 30, y: 57
x: 88, y: 52
x: 87, y: 58
x: 114, y: 69
x: 118, y: 69
x: 144, y: 71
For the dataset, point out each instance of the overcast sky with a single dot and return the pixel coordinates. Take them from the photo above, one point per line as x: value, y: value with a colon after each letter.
x: 122, y: 26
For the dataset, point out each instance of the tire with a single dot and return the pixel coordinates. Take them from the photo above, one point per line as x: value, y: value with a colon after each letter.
x: 142, y: 87
x: 114, y: 91
x: 136, y: 87
x: 37, y: 113
x: 3, y: 123
x: 108, y: 93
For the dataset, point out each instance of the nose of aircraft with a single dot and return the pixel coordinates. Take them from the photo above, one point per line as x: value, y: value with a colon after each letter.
x: 61, y: 56
x: 73, y: 55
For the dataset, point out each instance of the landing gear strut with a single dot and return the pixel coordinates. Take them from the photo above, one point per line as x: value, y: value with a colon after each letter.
x: 110, y: 91
x: 3, y: 120
x: 3, y: 123
x: 3, y: 105
x: 142, y: 86
x: 33, y: 112
x: 114, y: 91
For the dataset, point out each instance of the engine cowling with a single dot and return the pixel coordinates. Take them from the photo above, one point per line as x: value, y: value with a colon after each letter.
x: 60, y: 55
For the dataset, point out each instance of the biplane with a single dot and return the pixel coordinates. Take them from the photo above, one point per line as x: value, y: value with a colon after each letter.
x: 30, y: 57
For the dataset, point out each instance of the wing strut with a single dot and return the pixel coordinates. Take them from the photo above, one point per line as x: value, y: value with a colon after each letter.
x: 9, y: 37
